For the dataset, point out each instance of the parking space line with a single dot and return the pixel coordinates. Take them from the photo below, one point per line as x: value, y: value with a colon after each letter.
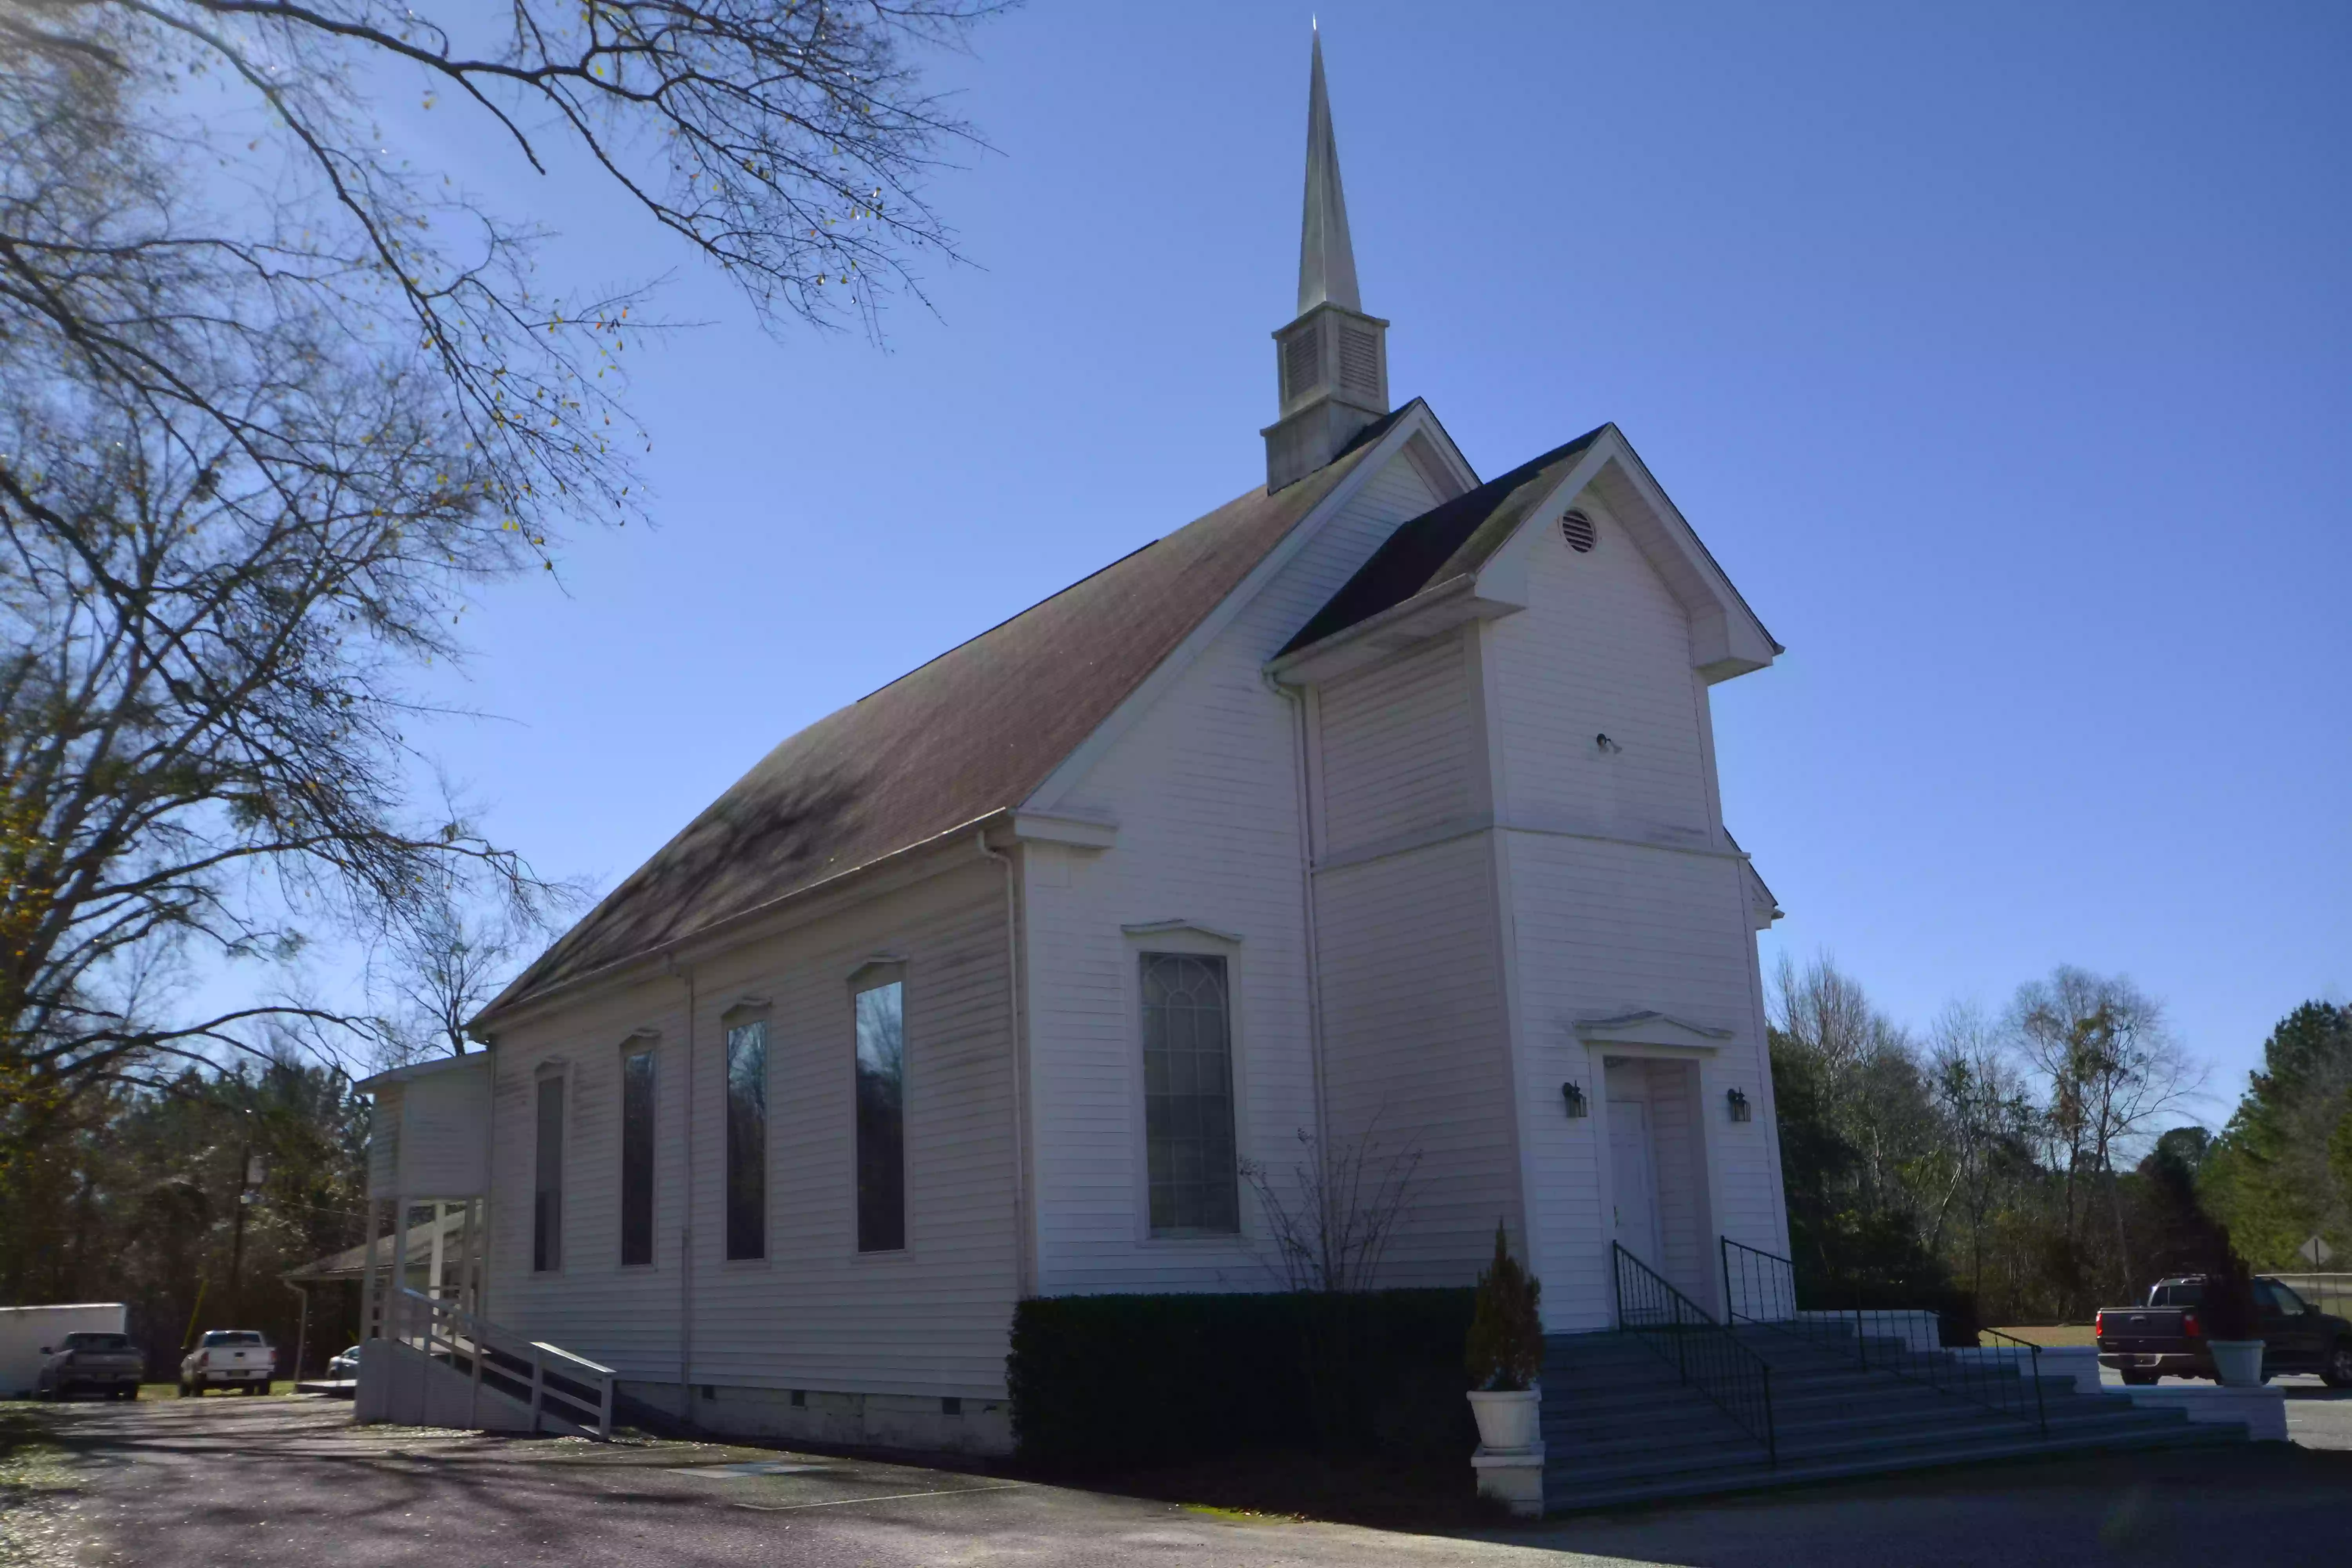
x: 886, y: 1496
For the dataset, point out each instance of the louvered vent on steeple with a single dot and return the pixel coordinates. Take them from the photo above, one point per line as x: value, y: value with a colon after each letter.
x: 1360, y: 363
x: 1333, y: 359
x: 1301, y: 356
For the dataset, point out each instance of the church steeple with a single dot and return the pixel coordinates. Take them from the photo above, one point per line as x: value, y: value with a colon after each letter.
x: 1332, y: 359
x: 1327, y: 258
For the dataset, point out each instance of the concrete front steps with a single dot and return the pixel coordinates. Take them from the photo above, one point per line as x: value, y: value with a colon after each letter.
x: 1619, y: 1428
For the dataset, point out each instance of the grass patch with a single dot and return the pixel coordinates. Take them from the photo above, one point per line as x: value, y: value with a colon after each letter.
x: 2053, y: 1336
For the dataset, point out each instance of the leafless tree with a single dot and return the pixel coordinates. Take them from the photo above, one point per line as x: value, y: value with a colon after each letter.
x: 1333, y: 1219
x: 1873, y: 1071
x: 273, y: 401
x: 439, y: 967
x: 1988, y: 1117
x: 2112, y: 1072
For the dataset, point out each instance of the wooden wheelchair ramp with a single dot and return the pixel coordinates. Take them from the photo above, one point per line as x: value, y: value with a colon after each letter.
x: 440, y: 1366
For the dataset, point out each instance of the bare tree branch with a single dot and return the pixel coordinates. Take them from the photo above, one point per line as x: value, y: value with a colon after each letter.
x: 274, y: 402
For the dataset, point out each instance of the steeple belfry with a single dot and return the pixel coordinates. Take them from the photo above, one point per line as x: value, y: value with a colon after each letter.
x: 1332, y: 359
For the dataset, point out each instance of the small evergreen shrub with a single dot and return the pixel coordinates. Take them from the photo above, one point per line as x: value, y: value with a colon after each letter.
x: 2228, y: 1308
x: 1503, y: 1350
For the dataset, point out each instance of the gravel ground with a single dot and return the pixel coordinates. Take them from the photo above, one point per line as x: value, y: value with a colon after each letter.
x: 284, y: 1482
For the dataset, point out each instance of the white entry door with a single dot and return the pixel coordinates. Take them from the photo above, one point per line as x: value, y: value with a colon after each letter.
x: 1633, y: 1173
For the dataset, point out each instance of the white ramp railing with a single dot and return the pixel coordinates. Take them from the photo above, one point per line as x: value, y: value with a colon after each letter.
x: 567, y: 1391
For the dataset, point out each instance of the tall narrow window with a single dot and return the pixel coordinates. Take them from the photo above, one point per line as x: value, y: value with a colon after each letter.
x: 547, y: 1196
x: 637, y: 1158
x: 882, y: 1117
x: 747, y: 1140
x: 1187, y: 1095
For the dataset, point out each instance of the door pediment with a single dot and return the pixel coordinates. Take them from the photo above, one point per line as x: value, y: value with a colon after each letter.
x: 1651, y: 1028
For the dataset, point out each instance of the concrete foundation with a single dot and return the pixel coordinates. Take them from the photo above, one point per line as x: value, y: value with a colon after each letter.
x: 950, y: 1423
x: 1512, y: 1475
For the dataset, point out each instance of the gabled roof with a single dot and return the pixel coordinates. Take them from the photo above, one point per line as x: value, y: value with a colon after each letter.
x: 973, y: 733
x: 1449, y: 541
x: 1456, y: 542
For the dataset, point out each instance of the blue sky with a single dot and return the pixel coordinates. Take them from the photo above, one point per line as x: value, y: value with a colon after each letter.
x: 2000, y: 353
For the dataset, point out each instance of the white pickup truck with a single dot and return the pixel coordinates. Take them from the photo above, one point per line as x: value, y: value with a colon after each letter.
x: 229, y: 1358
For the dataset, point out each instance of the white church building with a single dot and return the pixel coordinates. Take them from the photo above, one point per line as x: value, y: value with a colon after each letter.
x: 1378, y: 804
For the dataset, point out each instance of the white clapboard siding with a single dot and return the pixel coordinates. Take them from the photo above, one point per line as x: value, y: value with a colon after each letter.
x: 443, y: 1126
x: 1603, y: 648
x: 1416, y: 1052
x: 1204, y: 790
x: 1398, y: 741
x: 1623, y: 896
x: 814, y: 1313
x: 1605, y: 929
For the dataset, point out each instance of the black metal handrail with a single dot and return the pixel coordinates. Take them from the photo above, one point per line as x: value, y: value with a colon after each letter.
x: 1704, y: 1354
x: 2024, y: 1357
x: 1760, y: 1288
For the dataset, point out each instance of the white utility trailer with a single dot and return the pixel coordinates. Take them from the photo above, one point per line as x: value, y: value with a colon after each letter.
x: 24, y: 1330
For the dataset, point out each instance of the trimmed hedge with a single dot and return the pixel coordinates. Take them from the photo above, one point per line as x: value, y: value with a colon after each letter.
x: 1105, y: 1381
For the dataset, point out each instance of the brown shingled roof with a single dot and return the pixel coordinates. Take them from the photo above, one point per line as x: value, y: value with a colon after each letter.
x: 974, y: 731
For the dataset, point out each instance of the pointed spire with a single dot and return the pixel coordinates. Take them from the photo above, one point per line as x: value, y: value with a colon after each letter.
x: 1332, y: 360
x: 1327, y: 261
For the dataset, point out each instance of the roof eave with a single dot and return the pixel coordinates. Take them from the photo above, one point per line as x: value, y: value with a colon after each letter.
x: 415, y: 1071
x: 509, y: 1003
x: 1738, y: 600
x: 1436, y: 609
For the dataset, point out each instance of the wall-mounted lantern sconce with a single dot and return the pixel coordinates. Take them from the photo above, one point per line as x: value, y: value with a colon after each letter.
x: 1739, y: 1103
x: 1574, y: 1094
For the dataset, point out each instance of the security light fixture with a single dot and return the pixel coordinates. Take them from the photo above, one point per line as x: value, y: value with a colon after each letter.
x: 1606, y: 744
x: 1737, y: 1101
x: 1574, y: 1094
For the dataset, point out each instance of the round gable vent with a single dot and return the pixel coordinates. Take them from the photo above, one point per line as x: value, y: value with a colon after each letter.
x: 1577, y: 529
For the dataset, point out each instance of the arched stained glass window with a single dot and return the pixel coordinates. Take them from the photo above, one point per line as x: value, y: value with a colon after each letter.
x: 1187, y: 1095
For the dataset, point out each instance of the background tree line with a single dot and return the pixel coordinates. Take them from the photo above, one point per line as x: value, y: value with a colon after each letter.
x: 2038, y: 1164
x: 141, y: 1196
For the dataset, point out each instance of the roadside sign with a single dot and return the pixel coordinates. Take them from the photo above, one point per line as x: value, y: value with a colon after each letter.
x: 2315, y: 1252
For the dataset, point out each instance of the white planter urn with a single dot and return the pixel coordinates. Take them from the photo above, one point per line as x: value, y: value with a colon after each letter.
x: 2237, y: 1363
x: 1507, y: 1420
x: 1510, y: 1463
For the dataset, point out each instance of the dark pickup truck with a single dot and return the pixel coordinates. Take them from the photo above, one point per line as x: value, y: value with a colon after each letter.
x: 2164, y: 1338
x: 91, y: 1364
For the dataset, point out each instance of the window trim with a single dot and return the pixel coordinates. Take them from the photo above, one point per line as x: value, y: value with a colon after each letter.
x: 746, y: 1011
x: 884, y: 969
x: 1188, y: 938
x: 556, y: 1071
x: 637, y: 1042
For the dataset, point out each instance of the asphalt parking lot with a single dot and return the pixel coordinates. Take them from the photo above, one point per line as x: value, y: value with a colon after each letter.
x: 287, y: 1481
